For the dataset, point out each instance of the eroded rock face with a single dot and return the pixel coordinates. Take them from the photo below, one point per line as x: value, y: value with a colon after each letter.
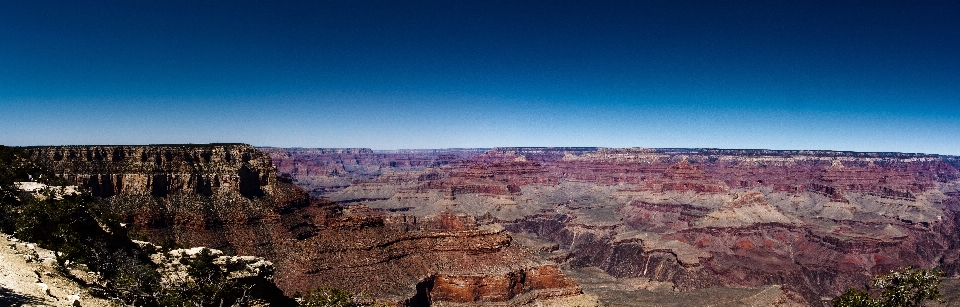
x: 815, y: 221
x: 198, y: 196
x: 160, y: 170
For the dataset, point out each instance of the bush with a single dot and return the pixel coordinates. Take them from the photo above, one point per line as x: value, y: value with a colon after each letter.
x: 207, y: 284
x: 907, y: 287
x: 134, y: 282
x: 63, y: 225
x: 327, y: 297
x: 333, y: 297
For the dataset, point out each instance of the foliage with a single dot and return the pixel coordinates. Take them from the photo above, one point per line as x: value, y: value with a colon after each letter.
x: 63, y: 225
x: 207, y: 284
x: 855, y: 298
x: 333, y: 297
x: 135, y: 282
x: 16, y: 167
x: 327, y: 297
x: 80, y: 229
x: 9, y: 202
x: 907, y: 287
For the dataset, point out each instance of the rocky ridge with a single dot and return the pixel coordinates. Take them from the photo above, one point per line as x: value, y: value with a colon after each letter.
x: 161, y: 169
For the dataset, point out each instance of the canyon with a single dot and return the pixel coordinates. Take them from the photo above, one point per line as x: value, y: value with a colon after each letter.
x: 229, y: 197
x: 655, y: 221
x: 558, y: 226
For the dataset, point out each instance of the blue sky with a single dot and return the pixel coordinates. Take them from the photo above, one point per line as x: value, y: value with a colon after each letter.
x: 839, y: 75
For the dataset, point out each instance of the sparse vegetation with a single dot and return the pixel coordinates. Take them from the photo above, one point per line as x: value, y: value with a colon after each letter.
x: 333, y: 297
x: 80, y: 233
x: 206, y: 284
x: 907, y: 287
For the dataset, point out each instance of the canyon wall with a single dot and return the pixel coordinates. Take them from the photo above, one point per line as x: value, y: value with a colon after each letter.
x: 159, y: 170
x: 229, y: 197
x: 816, y: 222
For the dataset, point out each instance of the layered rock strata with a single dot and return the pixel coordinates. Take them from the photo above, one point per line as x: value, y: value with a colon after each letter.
x: 159, y: 170
x: 228, y: 197
x: 815, y: 221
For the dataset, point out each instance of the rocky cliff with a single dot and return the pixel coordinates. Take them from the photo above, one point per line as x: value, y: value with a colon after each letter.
x: 816, y: 222
x: 229, y: 197
x: 159, y: 170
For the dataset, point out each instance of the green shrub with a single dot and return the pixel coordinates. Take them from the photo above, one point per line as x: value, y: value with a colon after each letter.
x: 134, y: 282
x: 328, y: 297
x: 63, y: 225
x: 333, y: 297
x: 82, y: 229
x: 207, y: 284
x: 907, y: 287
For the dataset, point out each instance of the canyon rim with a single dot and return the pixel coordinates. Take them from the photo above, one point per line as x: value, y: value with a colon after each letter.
x: 517, y: 226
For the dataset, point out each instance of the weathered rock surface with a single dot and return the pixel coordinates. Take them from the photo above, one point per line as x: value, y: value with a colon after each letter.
x: 160, y: 170
x: 816, y: 222
x: 228, y: 197
x: 173, y: 264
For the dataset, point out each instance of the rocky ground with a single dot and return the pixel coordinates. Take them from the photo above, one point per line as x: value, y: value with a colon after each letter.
x: 29, y: 277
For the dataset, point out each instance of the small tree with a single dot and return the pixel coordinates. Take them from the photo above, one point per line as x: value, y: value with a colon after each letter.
x: 907, y: 287
x: 64, y: 225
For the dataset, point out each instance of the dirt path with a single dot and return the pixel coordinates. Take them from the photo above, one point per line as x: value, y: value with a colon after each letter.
x: 27, y: 278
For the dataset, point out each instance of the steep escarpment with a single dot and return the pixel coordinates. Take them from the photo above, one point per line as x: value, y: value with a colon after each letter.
x: 814, y: 221
x: 229, y: 197
x: 159, y: 170
x: 445, y: 258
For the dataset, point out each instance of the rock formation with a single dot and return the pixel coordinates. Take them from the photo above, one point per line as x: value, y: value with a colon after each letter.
x: 162, y: 169
x: 229, y: 197
x: 815, y: 222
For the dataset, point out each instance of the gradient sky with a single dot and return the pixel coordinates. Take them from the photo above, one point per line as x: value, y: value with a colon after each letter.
x: 839, y: 75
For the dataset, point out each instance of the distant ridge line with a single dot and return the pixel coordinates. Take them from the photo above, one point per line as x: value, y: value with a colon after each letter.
x: 141, y: 145
x: 679, y: 150
x: 530, y: 149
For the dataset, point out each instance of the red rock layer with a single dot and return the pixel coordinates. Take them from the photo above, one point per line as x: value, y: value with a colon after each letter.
x: 401, y: 259
x: 855, y: 215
